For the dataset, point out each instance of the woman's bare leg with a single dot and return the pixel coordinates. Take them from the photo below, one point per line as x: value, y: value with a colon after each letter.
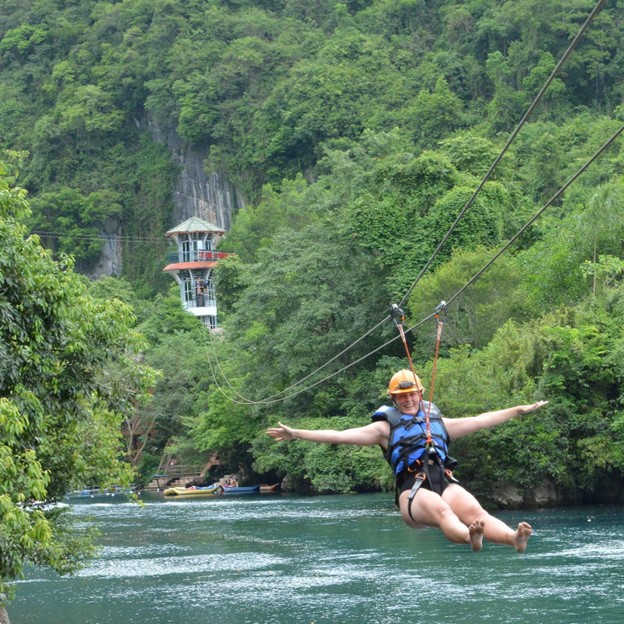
x: 467, y: 508
x: 429, y: 509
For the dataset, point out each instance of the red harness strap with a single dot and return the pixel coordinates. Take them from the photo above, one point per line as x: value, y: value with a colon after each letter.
x: 399, y: 317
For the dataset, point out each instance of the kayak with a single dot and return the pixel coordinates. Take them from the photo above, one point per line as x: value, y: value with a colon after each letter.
x: 241, y: 489
x: 210, y: 490
x: 265, y: 487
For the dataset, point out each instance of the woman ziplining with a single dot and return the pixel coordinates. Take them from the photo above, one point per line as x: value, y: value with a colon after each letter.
x: 415, y: 440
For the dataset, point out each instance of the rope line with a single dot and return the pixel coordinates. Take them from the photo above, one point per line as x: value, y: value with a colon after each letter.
x: 309, y: 387
x: 326, y: 378
x: 438, y: 315
x: 273, y: 398
x: 538, y: 214
x: 124, y: 238
x: 512, y: 137
x: 471, y: 281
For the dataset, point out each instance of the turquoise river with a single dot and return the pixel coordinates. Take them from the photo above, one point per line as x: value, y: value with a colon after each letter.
x: 277, y: 559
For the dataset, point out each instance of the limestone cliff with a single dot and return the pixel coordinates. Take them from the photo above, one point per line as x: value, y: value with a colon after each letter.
x: 195, y: 194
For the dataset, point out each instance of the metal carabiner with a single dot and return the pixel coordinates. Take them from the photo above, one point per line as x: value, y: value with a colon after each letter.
x: 397, y: 314
x: 440, y: 309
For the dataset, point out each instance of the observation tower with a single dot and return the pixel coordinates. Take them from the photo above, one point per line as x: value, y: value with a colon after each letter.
x: 192, y: 266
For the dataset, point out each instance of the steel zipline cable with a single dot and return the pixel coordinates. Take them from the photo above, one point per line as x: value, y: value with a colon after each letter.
x: 471, y: 281
x: 273, y: 398
x: 510, y: 140
x: 283, y: 393
x: 122, y: 238
x: 537, y: 215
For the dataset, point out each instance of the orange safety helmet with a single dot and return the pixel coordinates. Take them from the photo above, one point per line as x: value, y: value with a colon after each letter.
x: 404, y: 381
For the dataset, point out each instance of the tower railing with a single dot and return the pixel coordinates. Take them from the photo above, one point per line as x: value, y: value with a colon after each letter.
x: 196, y: 256
x: 194, y: 303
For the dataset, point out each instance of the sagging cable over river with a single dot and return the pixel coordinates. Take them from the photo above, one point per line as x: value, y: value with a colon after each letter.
x: 415, y: 440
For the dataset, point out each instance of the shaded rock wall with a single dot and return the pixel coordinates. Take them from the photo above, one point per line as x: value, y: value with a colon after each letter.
x: 195, y: 194
x: 111, y: 258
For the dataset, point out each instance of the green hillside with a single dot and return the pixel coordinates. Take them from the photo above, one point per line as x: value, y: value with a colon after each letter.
x: 357, y: 131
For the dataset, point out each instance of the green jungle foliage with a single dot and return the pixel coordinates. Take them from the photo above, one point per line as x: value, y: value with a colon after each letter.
x: 68, y: 376
x: 357, y: 131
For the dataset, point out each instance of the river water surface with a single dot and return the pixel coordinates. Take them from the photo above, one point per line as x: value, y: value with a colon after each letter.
x: 276, y: 559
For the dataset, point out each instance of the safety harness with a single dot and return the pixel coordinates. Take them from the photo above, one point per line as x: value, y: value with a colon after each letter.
x: 417, y: 443
x: 430, y: 446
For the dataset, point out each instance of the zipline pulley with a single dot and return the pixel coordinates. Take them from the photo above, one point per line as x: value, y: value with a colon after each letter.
x: 440, y: 309
x: 397, y: 314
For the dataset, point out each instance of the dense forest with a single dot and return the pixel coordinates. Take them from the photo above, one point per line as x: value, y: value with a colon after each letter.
x: 357, y: 131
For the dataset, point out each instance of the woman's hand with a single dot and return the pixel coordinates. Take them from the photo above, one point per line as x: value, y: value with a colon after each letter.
x: 527, y: 409
x: 281, y: 433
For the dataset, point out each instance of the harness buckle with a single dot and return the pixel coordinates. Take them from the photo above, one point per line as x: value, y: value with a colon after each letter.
x: 419, y: 479
x: 449, y: 475
x: 411, y: 469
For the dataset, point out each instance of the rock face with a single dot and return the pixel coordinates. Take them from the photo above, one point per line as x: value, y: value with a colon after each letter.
x: 196, y: 194
x: 111, y: 258
x: 543, y: 494
x: 506, y: 496
x: 209, y: 197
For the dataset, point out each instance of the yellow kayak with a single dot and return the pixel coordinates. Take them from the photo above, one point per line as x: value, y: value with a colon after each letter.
x: 210, y: 490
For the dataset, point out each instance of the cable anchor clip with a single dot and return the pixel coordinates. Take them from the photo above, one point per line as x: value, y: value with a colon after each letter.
x: 440, y: 309
x: 397, y: 314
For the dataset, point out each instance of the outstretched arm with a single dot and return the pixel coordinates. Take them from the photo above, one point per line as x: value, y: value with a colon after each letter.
x: 369, y: 435
x: 458, y: 427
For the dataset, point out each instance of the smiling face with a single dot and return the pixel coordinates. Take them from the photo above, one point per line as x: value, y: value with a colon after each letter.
x: 407, y: 402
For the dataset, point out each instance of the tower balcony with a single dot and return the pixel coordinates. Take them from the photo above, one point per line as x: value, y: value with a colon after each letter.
x: 204, y: 305
x: 196, y: 256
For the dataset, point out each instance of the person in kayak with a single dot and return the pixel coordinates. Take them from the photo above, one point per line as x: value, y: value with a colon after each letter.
x: 415, y: 439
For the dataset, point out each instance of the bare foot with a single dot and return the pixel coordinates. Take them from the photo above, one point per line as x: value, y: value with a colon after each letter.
x: 476, y: 530
x: 521, y: 536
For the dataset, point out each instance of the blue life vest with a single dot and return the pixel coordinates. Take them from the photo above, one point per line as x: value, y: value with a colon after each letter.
x: 408, y: 437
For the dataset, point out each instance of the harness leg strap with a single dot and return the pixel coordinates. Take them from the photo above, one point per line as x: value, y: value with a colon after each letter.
x: 450, y: 476
x: 419, y: 480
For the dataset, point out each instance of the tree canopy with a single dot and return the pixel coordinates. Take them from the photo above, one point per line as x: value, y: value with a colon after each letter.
x: 357, y: 132
x: 60, y: 403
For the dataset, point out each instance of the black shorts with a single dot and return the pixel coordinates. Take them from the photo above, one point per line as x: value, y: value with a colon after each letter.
x: 436, y: 481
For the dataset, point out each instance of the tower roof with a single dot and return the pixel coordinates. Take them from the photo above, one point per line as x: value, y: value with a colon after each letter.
x: 195, y: 224
x: 188, y: 266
